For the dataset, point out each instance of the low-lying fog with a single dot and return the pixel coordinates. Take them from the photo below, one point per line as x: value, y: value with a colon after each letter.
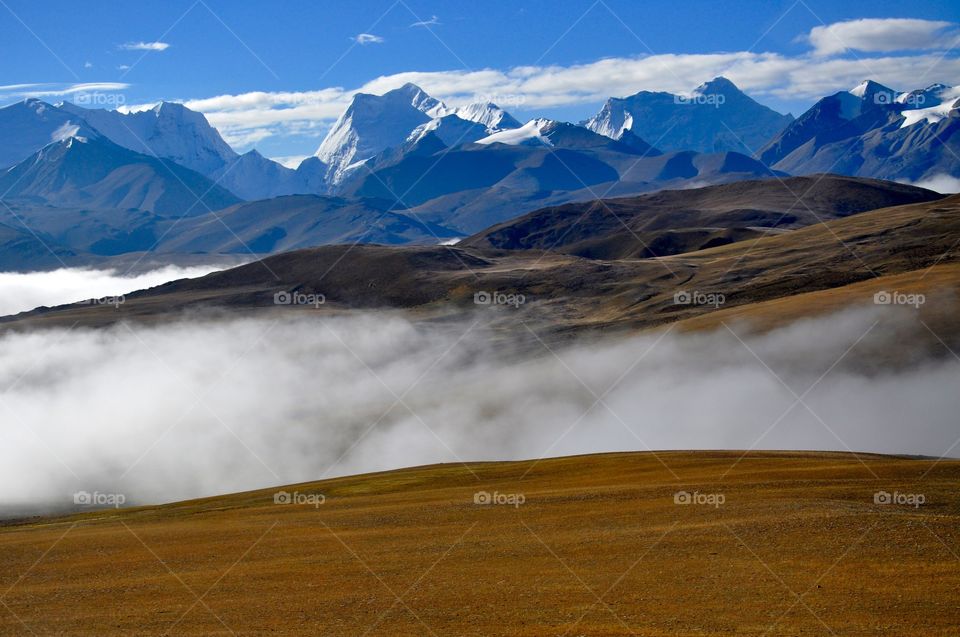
x: 192, y: 409
x: 21, y: 291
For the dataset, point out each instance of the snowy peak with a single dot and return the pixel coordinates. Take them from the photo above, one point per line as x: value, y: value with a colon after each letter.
x: 168, y: 130
x: 933, y: 95
x: 253, y: 176
x: 873, y: 131
x: 613, y: 120
x: 487, y: 113
x: 28, y: 126
x: 866, y: 89
x: 452, y: 130
x: 407, y: 96
x: 870, y: 94
x: 373, y: 123
x: 414, y: 96
x: 931, y: 105
x: 718, y: 86
x: 96, y: 173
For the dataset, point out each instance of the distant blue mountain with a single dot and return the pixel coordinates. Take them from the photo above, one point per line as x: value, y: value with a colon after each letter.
x: 716, y: 117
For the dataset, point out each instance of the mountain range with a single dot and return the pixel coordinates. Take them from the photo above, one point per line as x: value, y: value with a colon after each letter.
x: 786, y: 240
x: 404, y: 167
x: 873, y: 131
x: 715, y: 117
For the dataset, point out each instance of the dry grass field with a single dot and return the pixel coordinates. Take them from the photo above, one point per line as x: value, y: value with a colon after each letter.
x: 780, y: 544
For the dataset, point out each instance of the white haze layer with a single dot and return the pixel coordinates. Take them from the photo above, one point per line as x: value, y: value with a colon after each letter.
x: 943, y: 183
x: 192, y: 409
x: 21, y: 291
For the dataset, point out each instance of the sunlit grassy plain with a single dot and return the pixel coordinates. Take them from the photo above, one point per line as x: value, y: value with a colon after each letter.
x: 598, y: 547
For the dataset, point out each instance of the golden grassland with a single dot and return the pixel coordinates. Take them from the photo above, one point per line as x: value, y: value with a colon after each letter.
x: 598, y: 547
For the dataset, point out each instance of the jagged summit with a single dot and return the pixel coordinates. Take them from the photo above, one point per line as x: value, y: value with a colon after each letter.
x: 373, y: 123
x: 867, y: 88
x: 169, y: 130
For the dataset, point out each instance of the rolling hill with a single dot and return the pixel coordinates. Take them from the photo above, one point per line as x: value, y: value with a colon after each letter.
x: 591, y: 545
x: 675, y: 221
x: 854, y: 256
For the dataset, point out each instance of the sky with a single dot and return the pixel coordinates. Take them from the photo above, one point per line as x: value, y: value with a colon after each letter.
x: 274, y: 76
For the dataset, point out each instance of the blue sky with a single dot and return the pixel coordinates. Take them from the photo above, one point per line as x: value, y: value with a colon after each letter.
x: 274, y: 75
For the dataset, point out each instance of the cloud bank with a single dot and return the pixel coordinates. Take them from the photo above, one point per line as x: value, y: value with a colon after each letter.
x: 191, y: 409
x: 943, y: 183
x: 50, y: 90
x: 21, y: 291
x: 890, y: 34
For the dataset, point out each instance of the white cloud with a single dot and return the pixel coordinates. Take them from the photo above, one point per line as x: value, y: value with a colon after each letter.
x: 19, y: 87
x: 144, y: 46
x: 110, y: 409
x: 243, y: 138
x: 887, y: 34
x: 26, y: 290
x: 943, y: 183
x: 88, y: 65
x: 290, y: 161
x: 47, y: 90
x: 368, y: 38
x: 433, y: 21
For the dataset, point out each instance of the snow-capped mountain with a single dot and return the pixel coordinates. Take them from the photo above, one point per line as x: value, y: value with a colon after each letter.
x: 490, y: 115
x: 451, y: 129
x: 94, y: 173
x: 28, y: 126
x: 934, y: 104
x: 832, y: 116
x: 716, y: 117
x: 548, y: 132
x: 874, y: 131
x: 461, y: 168
x: 373, y: 123
x: 253, y: 176
x: 933, y: 95
x: 167, y: 130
